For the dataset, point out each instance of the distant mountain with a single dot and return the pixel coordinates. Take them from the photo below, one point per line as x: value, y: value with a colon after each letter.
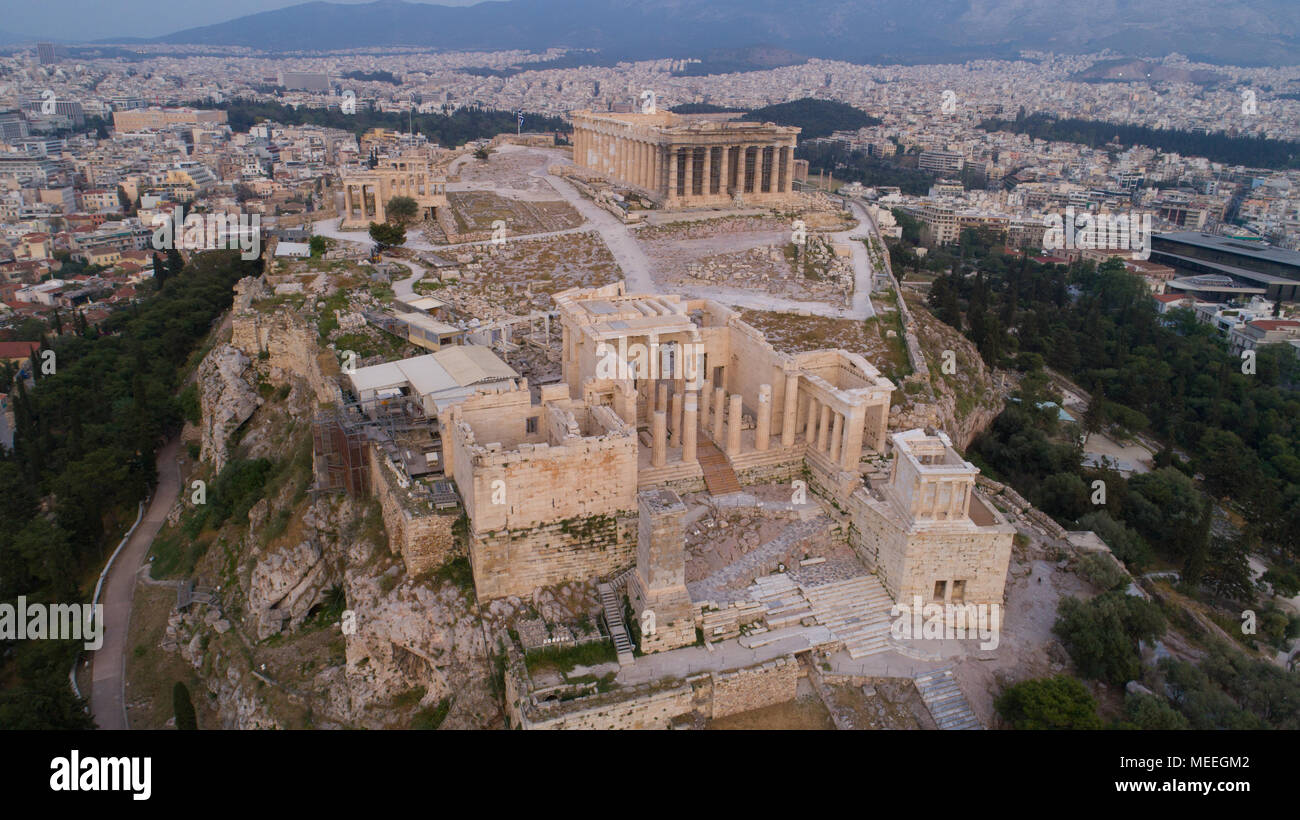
x: 735, y: 60
x: 1132, y: 71
x: 1247, y: 32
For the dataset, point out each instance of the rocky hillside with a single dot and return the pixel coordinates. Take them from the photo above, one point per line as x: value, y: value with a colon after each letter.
x: 961, y: 402
x: 312, y: 621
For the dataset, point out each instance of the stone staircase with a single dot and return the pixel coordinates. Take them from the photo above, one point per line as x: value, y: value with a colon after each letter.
x: 856, y: 610
x: 945, y: 701
x: 614, y: 620
x: 786, y: 605
x: 718, y: 475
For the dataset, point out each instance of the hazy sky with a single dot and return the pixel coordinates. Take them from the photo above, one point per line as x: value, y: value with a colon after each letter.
x: 103, y: 19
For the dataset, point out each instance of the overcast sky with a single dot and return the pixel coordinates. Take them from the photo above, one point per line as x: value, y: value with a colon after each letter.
x: 105, y: 19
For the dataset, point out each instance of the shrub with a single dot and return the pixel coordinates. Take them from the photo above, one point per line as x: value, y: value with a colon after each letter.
x: 1061, y: 702
x: 1151, y: 712
x: 1100, y: 570
x: 1102, y: 635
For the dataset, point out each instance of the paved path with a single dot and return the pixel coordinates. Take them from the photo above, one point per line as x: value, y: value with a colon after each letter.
x: 863, y: 275
x: 107, y: 692
x: 406, y: 287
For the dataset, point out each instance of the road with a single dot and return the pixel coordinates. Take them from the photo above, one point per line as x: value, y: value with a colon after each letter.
x: 108, y: 682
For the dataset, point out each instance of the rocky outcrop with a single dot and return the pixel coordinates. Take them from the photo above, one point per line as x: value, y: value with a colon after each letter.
x: 957, y: 393
x: 283, y: 587
x: 284, y: 343
x: 226, y: 399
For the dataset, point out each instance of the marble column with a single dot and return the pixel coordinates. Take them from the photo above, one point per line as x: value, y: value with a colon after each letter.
x: 790, y: 413
x: 837, y: 430
x: 724, y: 170
x: 707, y: 188
x: 676, y: 420
x: 690, y: 416
x: 672, y: 172
x: 853, y: 425
x: 706, y: 392
x: 719, y: 414
x: 810, y: 424
x: 823, y: 428
x: 659, y: 451
x: 661, y: 398
x: 733, y: 426
x: 763, y: 430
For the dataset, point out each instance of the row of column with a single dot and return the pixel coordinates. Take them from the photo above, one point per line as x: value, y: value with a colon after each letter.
x: 683, y: 178
x: 353, y: 200
x: 834, y: 434
x: 679, y: 421
x: 631, y: 159
x: 945, y: 500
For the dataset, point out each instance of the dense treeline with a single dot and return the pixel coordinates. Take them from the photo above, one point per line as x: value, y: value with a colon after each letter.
x: 705, y: 108
x: 457, y: 128
x: 1256, y: 152
x: 84, y: 454
x: 857, y: 166
x: 816, y: 118
x: 1228, y: 436
x: 1169, y: 376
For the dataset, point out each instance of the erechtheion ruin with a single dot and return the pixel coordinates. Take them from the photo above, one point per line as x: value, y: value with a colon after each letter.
x: 366, y: 193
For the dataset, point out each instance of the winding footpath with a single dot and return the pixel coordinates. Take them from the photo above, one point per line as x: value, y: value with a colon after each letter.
x: 108, y: 682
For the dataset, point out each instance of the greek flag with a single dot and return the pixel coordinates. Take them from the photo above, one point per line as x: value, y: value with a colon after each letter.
x: 519, y: 117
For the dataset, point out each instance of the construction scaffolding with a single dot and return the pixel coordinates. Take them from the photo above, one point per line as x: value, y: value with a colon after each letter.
x: 397, y: 427
x: 339, y: 450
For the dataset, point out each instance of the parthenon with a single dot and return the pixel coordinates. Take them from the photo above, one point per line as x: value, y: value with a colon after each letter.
x: 366, y: 193
x: 680, y: 163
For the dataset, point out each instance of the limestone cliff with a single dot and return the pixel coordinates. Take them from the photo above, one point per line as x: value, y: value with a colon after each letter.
x: 960, y: 395
x: 226, y: 400
x: 306, y: 615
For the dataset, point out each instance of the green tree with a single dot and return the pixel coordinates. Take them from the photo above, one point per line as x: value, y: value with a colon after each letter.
x: 1150, y: 712
x: 1061, y: 702
x: 402, y: 210
x: 1102, y: 635
x: 387, y: 235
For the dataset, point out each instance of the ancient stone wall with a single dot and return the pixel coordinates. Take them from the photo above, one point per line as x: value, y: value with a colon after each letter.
x: 517, y: 562
x: 423, y: 538
x: 755, y: 687
x: 288, y: 347
x: 656, y: 705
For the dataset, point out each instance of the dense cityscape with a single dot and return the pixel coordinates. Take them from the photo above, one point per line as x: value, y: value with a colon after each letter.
x: 401, y: 387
